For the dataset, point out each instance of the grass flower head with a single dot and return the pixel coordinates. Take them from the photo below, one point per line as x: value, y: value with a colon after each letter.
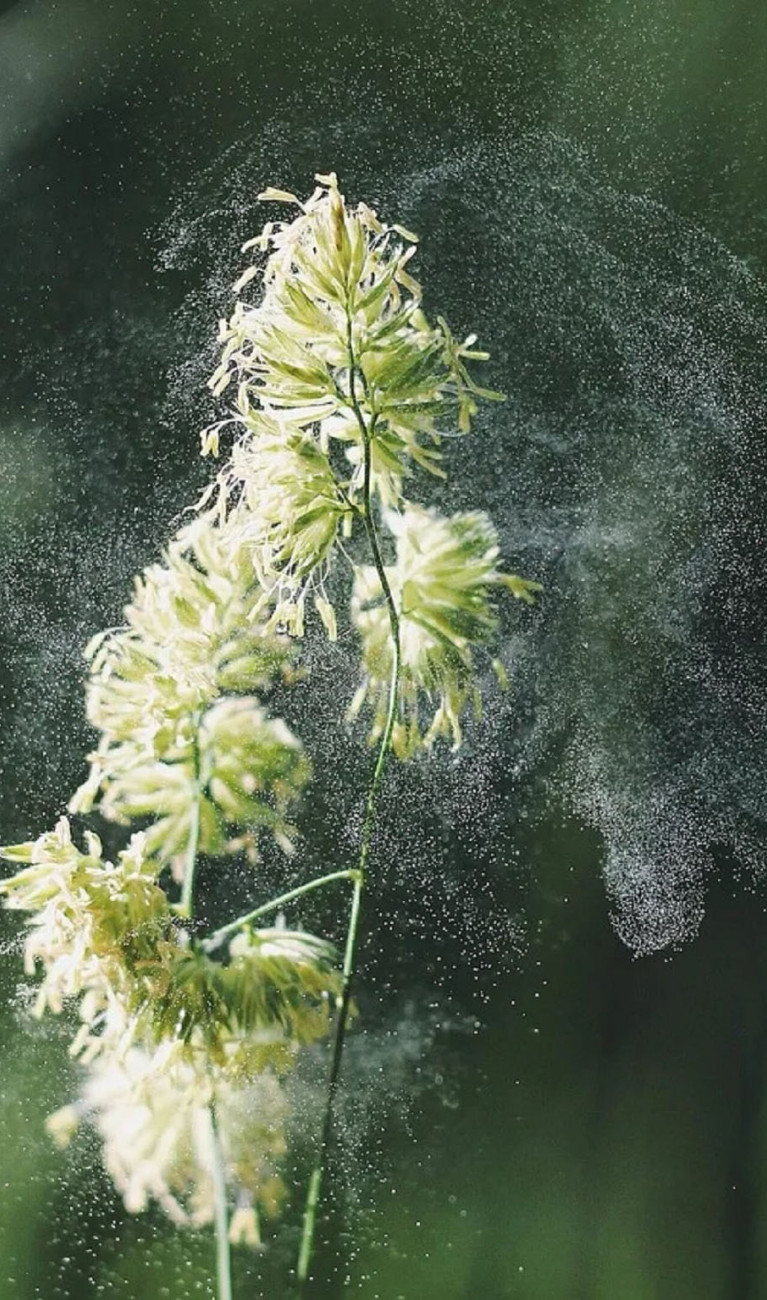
x: 443, y: 581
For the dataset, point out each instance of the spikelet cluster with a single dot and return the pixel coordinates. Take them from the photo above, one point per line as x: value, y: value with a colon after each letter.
x: 343, y: 388
x: 184, y: 745
x: 336, y: 354
x: 93, y: 923
x: 154, y: 1112
x: 166, y: 1032
x: 443, y: 582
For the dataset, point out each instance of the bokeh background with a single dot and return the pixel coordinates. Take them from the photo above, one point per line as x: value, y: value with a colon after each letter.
x: 557, y: 1085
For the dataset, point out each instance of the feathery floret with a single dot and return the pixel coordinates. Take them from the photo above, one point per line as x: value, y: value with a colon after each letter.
x: 176, y: 743
x: 93, y: 924
x: 153, y: 1111
x: 443, y: 583
x: 337, y: 350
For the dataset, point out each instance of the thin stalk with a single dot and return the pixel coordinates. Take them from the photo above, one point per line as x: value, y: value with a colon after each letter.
x: 186, y: 908
x: 190, y: 857
x: 344, y: 1001
x: 218, y: 936
x: 223, y: 1266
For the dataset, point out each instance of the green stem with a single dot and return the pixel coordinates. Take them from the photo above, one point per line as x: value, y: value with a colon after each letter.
x: 218, y: 1173
x: 218, y: 936
x: 190, y: 857
x: 344, y: 1001
x: 223, y: 1268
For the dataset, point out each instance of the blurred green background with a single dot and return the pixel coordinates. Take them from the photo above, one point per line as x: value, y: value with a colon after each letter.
x: 557, y: 1084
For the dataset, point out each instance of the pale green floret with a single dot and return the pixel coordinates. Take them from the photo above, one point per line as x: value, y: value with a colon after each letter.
x: 152, y: 1109
x: 239, y: 775
x: 93, y: 925
x: 388, y: 466
x: 443, y: 583
x: 187, y: 640
x: 177, y: 748
x: 273, y: 994
x: 338, y: 344
x: 62, y: 1125
x: 244, y: 1227
x: 291, y: 508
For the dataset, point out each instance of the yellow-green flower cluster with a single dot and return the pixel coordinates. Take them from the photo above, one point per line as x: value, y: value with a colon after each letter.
x: 443, y: 583
x: 270, y: 996
x: 294, y: 510
x: 182, y: 747
x: 337, y: 353
x: 188, y: 751
x: 94, y: 924
x: 166, y: 1032
x: 154, y: 1112
x: 343, y: 389
x: 104, y: 933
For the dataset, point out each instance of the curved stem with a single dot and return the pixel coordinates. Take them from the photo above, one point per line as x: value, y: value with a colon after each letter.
x: 344, y: 1001
x: 223, y: 1268
x: 219, y: 935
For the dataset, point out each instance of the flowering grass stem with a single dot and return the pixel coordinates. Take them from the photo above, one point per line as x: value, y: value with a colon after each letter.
x: 344, y: 999
x: 218, y: 936
x: 186, y: 908
x: 190, y: 857
x: 223, y: 1264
